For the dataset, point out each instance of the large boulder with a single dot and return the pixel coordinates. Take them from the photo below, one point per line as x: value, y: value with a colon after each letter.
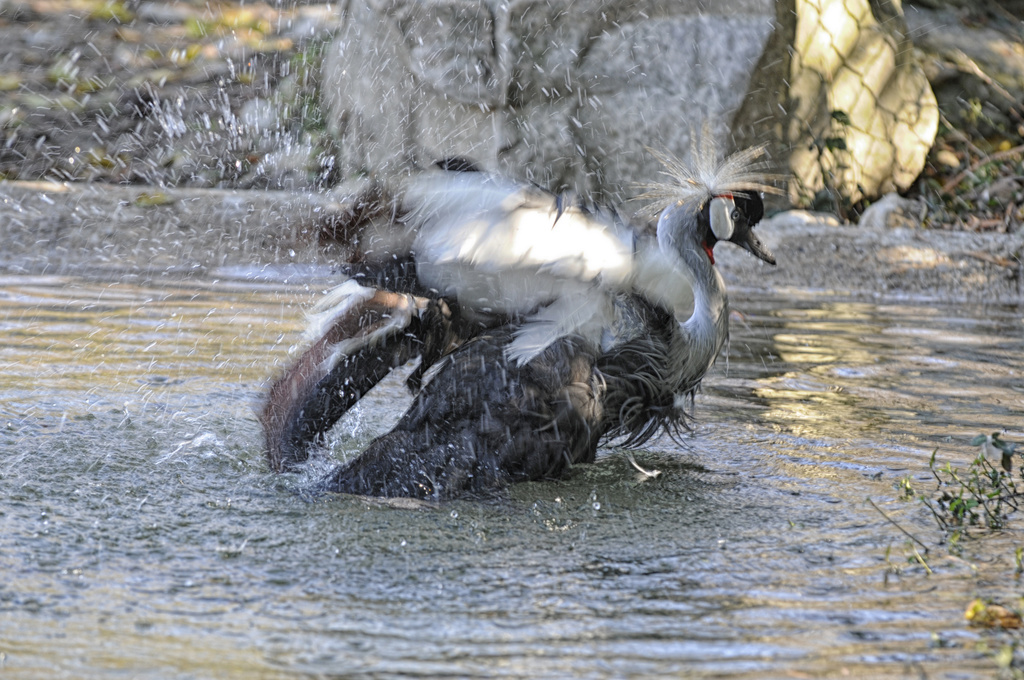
x: 862, y: 116
x: 568, y: 93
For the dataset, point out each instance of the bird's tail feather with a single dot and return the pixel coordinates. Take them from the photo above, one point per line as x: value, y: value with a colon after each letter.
x: 355, y: 337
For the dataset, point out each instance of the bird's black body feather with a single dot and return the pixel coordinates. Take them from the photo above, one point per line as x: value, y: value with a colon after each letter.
x: 483, y: 422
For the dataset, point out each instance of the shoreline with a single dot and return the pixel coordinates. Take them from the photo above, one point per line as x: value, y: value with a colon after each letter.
x: 114, y: 232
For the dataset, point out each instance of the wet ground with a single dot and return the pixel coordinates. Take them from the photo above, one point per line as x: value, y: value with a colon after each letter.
x: 141, y: 533
x: 187, y: 93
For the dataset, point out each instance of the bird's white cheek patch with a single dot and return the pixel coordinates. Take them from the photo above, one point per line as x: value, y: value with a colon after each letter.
x: 721, y: 217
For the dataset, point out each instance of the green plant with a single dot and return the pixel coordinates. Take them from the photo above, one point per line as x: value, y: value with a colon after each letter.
x: 984, y: 494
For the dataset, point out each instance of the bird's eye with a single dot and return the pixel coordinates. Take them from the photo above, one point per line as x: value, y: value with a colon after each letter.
x: 735, y: 214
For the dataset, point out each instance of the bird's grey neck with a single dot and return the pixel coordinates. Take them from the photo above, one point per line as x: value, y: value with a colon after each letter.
x: 707, y: 328
x: 678, y: 234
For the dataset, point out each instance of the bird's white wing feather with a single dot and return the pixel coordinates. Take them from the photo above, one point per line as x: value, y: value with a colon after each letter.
x: 664, y: 279
x: 582, y: 310
x: 496, y: 225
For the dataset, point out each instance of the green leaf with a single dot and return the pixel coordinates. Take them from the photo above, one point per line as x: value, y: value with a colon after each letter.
x: 835, y: 144
x: 1006, y: 447
x: 841, y: 117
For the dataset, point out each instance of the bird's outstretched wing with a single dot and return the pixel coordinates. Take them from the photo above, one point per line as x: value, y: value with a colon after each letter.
x: 517, y: 251
x: 496, y: 225
x: 356, y: 337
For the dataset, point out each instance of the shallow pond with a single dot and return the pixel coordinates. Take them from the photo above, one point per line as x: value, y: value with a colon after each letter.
x: 141, y: 534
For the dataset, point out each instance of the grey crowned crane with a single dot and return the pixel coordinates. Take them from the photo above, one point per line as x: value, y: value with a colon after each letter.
x: 550, y: 326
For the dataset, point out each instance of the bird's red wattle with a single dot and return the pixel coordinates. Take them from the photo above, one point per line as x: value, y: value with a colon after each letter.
x: 711, y: 255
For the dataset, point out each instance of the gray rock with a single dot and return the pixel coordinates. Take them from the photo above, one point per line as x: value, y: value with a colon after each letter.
x: 892, y: 211
x: 259, y: 116
x: 651, y: 82
x: 560, y: 93
x: 567, y: 94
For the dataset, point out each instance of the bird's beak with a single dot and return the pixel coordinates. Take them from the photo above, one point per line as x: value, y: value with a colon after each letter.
x: 753, y: 244
x: 721, y: 217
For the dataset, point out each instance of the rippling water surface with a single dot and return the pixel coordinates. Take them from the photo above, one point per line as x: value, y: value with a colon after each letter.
x: 141, y: 534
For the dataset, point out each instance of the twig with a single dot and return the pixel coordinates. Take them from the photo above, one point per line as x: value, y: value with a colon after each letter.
x: 921, y: 560
x: 992, y: 259
x: 991, y: 158
x: 963, y: 61
x: 938, y: 518
x: 896, y: 524
x: 960, y: 134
